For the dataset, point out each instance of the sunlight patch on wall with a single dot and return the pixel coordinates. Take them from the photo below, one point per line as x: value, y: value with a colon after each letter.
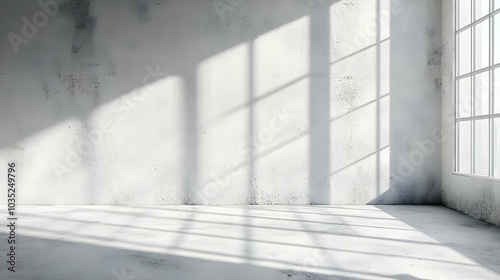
x: 282, y: 56
x: 223, y: 106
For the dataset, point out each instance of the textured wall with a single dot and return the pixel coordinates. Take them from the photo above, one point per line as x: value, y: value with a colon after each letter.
x: 475, y: 196
x: 225, y: 102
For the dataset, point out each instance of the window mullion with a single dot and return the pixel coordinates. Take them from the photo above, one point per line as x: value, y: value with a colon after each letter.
x: 456, y: 7
x: 491, y: 87
x: 473, y: 87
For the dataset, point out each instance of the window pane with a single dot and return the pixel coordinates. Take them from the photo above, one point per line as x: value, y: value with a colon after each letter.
x: 464, y: 146
x: 496, y: 39
x: 464, y: 98
x: 481, y: 94
x: 481, y: 147
x: 464, y: 52
x: 482, y: 8
x: 496, y: 4
x: 496, y: 91
x: 464, y: 13
x: 482, y: 44
x: 496, y: 148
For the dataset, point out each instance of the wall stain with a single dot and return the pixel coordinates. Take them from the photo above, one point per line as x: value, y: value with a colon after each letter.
x: 80, y: 85
x: 84, y: 24
x: 45, y: 87
x: 438, y: 83
x: 482, y: 204
x: 142, y: 12
x: 434, y: 56
x: 295, y: 274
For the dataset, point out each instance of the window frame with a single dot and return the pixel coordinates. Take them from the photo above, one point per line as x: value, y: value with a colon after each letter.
x: 491, y: 116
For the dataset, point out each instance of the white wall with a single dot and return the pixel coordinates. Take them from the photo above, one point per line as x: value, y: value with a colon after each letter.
x: 475, y: 196
x: 159, y: 102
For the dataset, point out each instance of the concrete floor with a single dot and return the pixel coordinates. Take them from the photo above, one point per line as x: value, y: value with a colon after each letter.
x: 253, y: 242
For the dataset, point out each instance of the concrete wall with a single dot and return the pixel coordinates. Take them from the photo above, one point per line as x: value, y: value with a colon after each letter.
x: 226, y: 102
x: 475, y: 196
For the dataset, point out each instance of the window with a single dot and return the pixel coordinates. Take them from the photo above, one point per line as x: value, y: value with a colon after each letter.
x: 477, y: 87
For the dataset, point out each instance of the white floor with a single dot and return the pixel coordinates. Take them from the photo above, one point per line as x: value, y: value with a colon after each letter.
x: 252, y: 242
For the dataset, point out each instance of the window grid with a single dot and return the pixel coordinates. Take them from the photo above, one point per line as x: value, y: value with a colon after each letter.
x: 476, y: 116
